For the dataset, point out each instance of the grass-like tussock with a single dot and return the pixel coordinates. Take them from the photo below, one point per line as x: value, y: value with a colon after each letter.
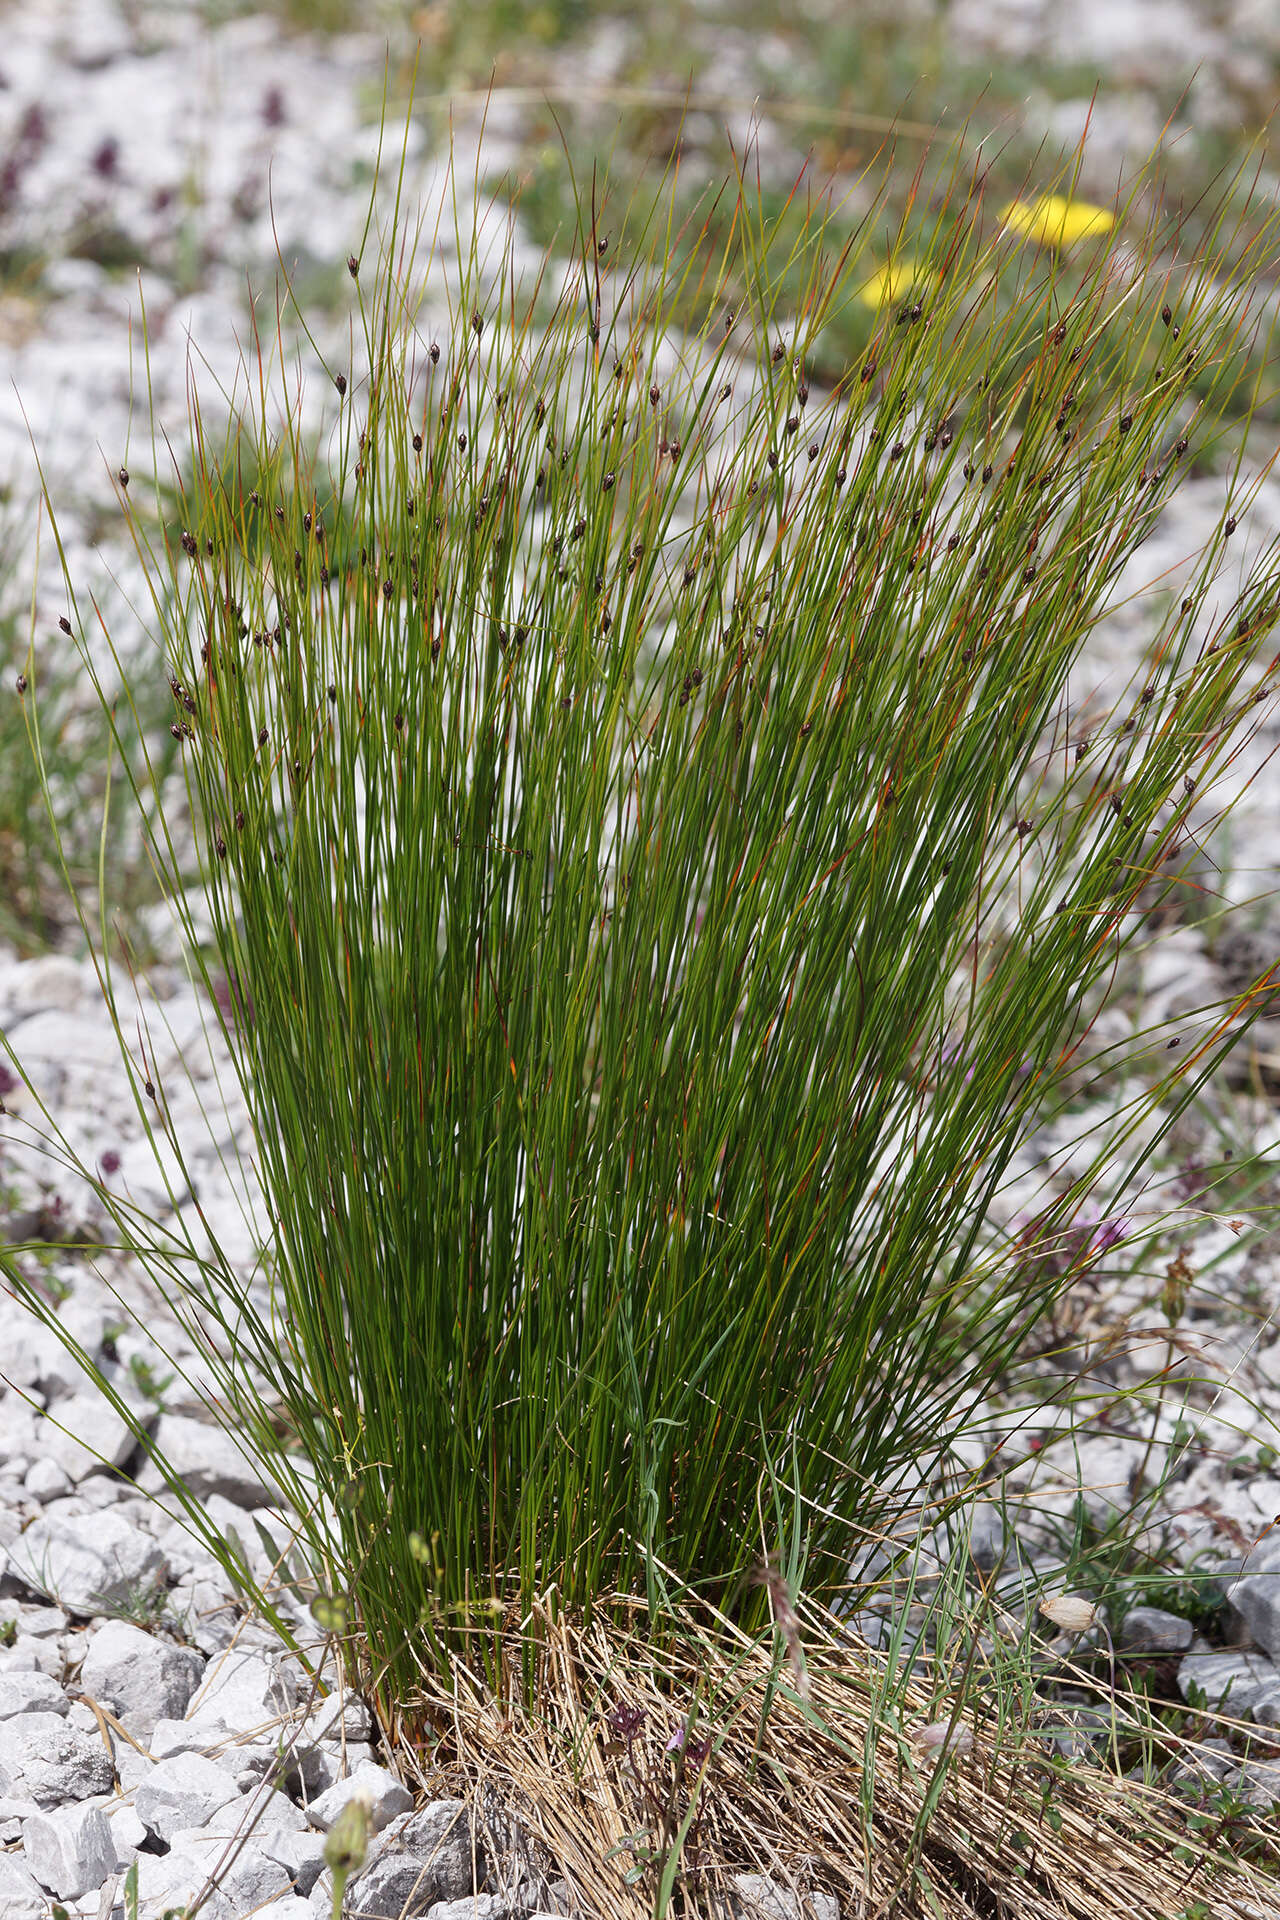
x: 660, y: 886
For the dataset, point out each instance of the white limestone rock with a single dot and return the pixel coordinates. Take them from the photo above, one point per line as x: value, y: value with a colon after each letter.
x: 84, y: 1561
x: 146, y: 1678
x: 183, y: 1793
x: 84, y: 1435
x: 758, y: 1897
x: 30, y: 1693
x: 423, y: 1861
x: 246, y: 1876
x: 1256, y: 1594
x: 70, y: 1850
x: 46, y: 1480
x: 21, y: 1895
x: 384, y: 1793
x: 472, y: 1906
x: 245, y: 1688
x: 207, y: 1460
x: 51, y: 1763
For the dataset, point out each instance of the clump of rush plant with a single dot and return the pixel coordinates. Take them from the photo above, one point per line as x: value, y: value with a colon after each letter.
x: 662, y: 884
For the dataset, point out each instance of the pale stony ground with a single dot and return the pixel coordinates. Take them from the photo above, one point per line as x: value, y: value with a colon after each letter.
x: 203, y: 147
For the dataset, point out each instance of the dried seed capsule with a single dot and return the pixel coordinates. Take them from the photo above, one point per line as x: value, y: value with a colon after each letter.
x: 64, y: 623
x: 340, y: 382
x: 21, y: 683
x: 124, y: 476
x: 353, y: 265
x: 433, y: 354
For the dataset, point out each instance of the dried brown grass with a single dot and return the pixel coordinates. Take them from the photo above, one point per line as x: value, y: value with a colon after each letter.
x: 857, y: 1790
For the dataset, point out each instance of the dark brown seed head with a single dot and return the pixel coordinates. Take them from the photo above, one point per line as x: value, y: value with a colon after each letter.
x: 417, y: 443
x: 1231, y: 524
x: 340, y: 382
x: 433, y: 353
x: 124, y: 476
x: 399, y: 723
x: 655, y: 394
x: 188, y: 543
x: 353, y: 265
x: 21, y: 683
x: 726, y: 393
x: 1166, y: 314
x: 1126, y: 421
x: 64, y: 623
x: 477, y: 324
x: 263, y: 736
x: 779, y: 353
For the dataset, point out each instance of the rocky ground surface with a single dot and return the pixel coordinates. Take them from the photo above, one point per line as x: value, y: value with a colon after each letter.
x: 146, y: 1718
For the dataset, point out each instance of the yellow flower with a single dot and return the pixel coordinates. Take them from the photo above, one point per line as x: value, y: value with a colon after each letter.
x: 890, y: 282
x: 1054, y: 221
